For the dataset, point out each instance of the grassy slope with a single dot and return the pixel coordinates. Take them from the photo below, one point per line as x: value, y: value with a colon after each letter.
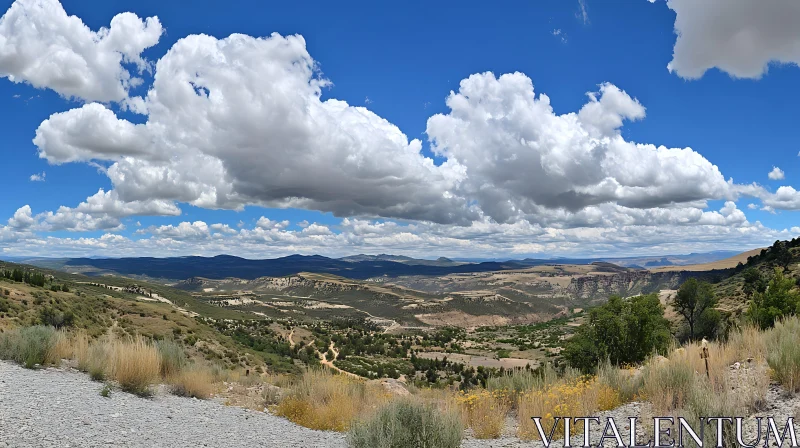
x: 98, y: 309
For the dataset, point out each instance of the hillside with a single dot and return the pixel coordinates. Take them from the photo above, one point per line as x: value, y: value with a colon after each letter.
x: 128, y: 307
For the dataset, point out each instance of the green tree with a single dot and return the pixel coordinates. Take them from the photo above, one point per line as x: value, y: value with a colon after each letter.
x: 754, y: 282
x: 693, y: 301
x: 624, y: 331
x: 778, y: 300
x: 783, y: 257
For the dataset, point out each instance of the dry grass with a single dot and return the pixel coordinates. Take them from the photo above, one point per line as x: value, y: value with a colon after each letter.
x: 320, y: 399
x: 193, y: 381
x: 61, y: 349
x: 517, y: 382
x: 136, y: 364
x: 680, y: 382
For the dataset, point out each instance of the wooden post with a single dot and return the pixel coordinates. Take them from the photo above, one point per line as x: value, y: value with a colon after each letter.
x: 704, y: 355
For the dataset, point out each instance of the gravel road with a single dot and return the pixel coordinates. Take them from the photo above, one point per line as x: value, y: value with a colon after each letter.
x: 57, y: 408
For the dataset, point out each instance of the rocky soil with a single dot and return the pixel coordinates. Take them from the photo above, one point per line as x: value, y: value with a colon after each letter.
x: 57, y: 408
x: 64, y: 408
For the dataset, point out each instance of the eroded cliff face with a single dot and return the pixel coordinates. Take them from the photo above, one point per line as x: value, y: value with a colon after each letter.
x: 593, y: 287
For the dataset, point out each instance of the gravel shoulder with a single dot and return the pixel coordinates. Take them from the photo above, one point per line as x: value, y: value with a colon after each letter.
x: 55, y: 407
x: 63, y: 408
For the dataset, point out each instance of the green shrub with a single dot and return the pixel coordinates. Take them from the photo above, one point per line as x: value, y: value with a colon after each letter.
x: 173, y: 357
x: 56, y: 318
x: 98, y: 355
x: 404, y: 423
x: 28, y: 346
x: 779, y: 299
x: 624, y: 331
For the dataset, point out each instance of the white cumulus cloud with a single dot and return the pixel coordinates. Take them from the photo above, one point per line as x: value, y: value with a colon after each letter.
x: 522, y: 159
x: 739, y: 37
x: 239, y: 121
x: 776, y: 173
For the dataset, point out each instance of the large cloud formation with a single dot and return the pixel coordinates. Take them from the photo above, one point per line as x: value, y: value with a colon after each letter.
x: 522, y: 158
x: 740, y: 37
x: 43, y: 46
x: 240, y: 121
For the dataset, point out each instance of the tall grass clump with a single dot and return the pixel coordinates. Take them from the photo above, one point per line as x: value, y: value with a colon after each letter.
x: 703, y: 401
x: 99, y: 360
x: 628, y: 382
x: 668, y: 384
x: 404, y: 423
x: 136, y: 364
x: 320, y: 399
x: 783, y: 352
x: 29, y: 346
x: 192, y: 381
x: 61, y: 349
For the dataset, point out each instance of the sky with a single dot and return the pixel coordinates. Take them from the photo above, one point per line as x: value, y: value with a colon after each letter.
x: 547, y: 128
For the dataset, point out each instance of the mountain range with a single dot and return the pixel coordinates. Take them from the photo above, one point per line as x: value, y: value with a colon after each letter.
x: 355, y: 267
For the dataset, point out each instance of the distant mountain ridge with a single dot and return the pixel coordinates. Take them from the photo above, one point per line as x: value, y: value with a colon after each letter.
x: 357, y: 267
x: 224, y: 266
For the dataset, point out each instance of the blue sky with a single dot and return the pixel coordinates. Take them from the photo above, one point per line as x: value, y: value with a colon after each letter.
x: 401, y: 62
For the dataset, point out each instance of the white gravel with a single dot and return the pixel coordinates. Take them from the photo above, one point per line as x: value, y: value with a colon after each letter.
x: 63, y: 408
x: 58, y: 408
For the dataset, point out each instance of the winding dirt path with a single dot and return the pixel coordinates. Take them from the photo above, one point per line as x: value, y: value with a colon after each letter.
x: 329, y: 363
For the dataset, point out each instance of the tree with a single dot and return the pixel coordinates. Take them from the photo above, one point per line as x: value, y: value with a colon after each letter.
x: 783, y: 257
x: 624, y: 331
x: 753, y: 282
x: 778, y: 300
x: 693, y: 299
